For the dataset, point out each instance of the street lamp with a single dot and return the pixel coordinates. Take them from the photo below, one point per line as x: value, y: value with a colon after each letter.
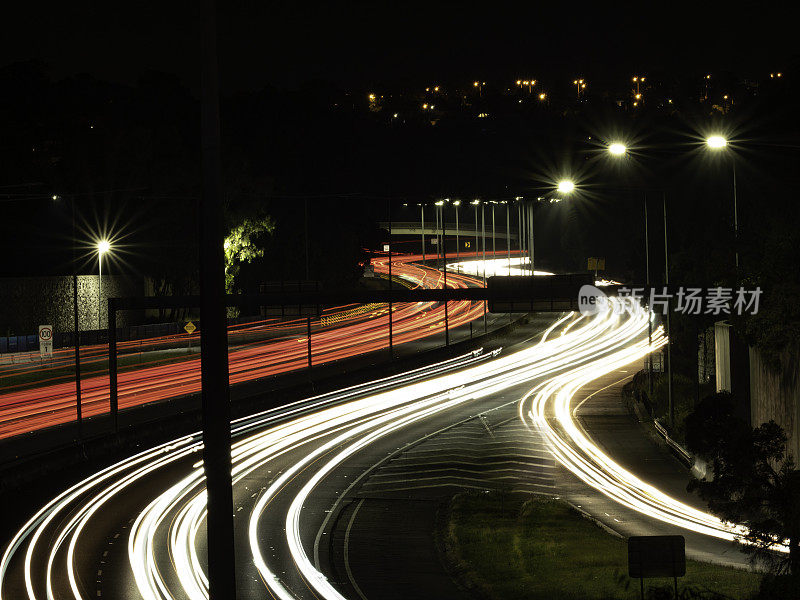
x: 617, y: 149
x: 716, y: 142
x: 565, y: 186
x: 103, y: 246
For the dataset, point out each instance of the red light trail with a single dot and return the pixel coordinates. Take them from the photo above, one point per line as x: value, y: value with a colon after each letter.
x: 26, y: 410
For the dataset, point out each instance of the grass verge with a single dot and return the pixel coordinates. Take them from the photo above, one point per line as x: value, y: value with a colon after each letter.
x: 513, y: 546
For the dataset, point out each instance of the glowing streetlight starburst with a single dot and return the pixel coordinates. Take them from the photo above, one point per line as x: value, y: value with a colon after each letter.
x: 716, y: 142
x: 565, y: 186
x: 617, y: 149
x: 103, y: 246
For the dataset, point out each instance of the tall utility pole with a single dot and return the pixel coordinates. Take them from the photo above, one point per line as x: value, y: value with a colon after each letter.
x: 213, y: 332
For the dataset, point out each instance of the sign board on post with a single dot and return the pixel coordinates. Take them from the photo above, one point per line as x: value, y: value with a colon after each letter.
x: 46, y: 340
x: 596, y: 264
x: 656, y: 556
x: 189, y: 328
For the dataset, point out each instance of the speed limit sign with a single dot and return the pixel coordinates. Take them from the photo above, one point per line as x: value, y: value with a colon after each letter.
x: 46, y: 340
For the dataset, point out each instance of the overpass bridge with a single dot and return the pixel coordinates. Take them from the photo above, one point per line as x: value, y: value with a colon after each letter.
x: 414, y: 228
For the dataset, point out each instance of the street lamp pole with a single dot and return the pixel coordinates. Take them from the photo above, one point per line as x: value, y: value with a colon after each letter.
x: 103, y: 246
x: 456, y: 204
x: 735, y: 217
x: 520, y: 234
x: 532, y: 241
x: 494, y: 238
x: 669, y: 344
x: 650, y: 308
x: 483, y: 243
x: 508, y: 234
x: 422, y: 219
x: 77, y: 341
x: 391, y: 347
x: 444, y: 270
x: 437, y: 236
x: 483, y: 246
x: 716, y: 143
x: 99, y: 289
x: 475, y: 203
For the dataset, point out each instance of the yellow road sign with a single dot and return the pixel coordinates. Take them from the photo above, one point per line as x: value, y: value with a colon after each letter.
x: 190, y: 328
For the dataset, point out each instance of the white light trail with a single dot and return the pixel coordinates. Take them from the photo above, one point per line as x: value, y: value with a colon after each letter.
x: 518, y: 265
x: 329, y: 429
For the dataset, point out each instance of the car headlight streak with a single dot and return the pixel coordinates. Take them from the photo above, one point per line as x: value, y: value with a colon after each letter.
x: 334, y: 427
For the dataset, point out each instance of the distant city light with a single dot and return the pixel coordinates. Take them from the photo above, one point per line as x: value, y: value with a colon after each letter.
x: 716, y: 142
x: 542, y: 96
x: 617, y: 149
x: 565, y: 186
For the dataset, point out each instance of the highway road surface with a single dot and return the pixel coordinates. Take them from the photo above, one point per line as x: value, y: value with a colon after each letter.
x: 302, y: 474
x: 349, y: 333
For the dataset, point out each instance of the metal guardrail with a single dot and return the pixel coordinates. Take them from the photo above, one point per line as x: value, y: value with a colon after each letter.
x: 683, y: 454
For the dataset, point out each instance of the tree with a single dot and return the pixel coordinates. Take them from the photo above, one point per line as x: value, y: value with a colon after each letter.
x: 755, y: 482
x: 242, y: 245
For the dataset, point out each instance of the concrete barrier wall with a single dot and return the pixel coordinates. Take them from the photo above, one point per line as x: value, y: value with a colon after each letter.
x: 772, y: 399
x: 27, y: 302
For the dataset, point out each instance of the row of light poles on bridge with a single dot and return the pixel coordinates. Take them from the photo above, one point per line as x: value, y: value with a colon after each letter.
x: 524, y: 227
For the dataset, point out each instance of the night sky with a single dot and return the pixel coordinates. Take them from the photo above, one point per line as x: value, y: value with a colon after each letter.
x: 380, y: 43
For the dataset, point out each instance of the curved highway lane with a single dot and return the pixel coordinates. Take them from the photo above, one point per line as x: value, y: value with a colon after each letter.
x: 136, y: 529
x: 26, y: 410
